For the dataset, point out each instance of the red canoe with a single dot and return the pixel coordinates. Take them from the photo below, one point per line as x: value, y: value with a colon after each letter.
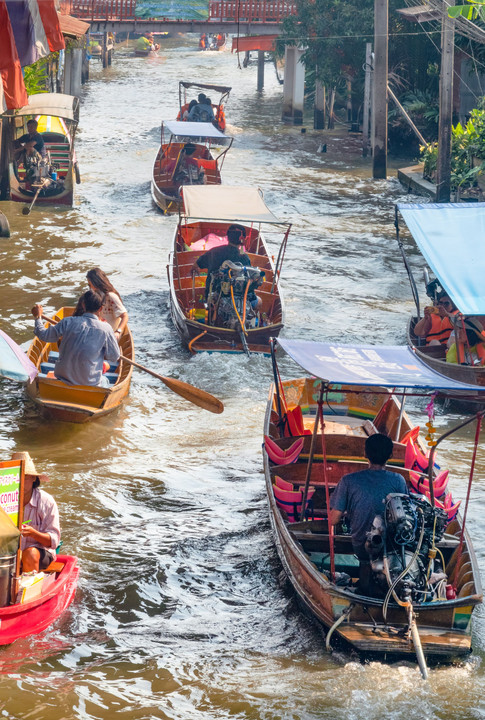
x: 30, y: 618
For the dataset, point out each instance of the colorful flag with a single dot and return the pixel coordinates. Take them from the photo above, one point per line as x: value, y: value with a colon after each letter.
x: 12, y: 89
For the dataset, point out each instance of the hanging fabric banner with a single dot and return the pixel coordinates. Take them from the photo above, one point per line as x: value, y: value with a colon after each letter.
x: 173, y: 9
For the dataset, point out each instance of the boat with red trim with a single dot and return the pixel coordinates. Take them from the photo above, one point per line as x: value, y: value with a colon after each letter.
x: 426, y: 569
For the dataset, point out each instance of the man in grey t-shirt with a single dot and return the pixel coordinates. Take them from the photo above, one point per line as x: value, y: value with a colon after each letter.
x: 361, y: 495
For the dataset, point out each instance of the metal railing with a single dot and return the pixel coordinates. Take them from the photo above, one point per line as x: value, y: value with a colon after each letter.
x: 219, y: 10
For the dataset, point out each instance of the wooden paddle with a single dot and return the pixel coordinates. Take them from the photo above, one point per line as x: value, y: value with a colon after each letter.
x: 26, y: 210
x: 198, y: 397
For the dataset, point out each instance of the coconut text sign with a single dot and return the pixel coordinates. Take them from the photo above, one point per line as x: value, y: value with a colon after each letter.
x: 11, y: 488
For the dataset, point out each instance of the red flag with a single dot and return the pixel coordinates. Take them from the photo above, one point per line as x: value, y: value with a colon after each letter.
x: 50, y: 21
x: 14, y: 92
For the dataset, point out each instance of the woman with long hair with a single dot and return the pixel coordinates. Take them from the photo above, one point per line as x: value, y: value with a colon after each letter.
x: 113, y: 310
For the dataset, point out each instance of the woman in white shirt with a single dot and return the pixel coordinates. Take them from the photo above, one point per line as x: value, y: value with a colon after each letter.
x: 113, y: 310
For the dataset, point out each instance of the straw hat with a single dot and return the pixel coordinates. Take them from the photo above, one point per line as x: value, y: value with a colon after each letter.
x: 29, y: 467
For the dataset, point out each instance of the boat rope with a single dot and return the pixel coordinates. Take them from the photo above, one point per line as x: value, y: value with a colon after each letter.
x: 196, y: 338
x: 472, y: 470
x: 338, y: 622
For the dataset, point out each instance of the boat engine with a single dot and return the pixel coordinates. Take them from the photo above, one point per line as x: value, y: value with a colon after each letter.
x: 226, y: 307
x: 402, y: 540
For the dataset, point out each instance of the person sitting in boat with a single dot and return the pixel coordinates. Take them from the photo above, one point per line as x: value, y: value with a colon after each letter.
x: 31, y: 134
x: 87, y: 342
x: 214, y: 258
x: 144, y: 43
x: 202, y: 112
x: 436, y: 325
x: 112, y: 311
x: 360, y: 496
x: 186, y: 112
x: 469, y: 345
x: 31, y: 159
x: 41, y: 532
x: 187, y: 171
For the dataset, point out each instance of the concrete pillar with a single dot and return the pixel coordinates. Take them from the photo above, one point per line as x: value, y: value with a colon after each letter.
x: 76, y: 71
x: 379, y: 105
x: 443, y: 166
x: 319, y: 109
x: 367, y: 97
x: 67, y: 72
x: 260, y: 70
x: 293, y: 86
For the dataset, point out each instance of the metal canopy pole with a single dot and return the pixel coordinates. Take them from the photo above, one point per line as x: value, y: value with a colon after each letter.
x: 412, y: 281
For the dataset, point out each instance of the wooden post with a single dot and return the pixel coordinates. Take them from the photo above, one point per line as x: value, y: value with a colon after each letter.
x: 104, y: 50
x: 367, y: 97
x: 443, y: 167
x: 381, y: 29
x: 331, y: 103
x: 319, y: 109
x: 260, y: 70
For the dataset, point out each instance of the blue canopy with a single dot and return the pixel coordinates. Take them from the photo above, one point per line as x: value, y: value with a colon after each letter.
x: 451, y: 238
x: 385, y: 365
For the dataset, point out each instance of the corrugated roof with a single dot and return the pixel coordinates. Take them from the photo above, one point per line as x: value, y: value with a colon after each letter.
x: 72, y: 27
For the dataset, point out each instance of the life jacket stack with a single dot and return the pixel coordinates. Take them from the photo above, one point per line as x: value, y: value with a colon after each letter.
x: 441, y: 328
x: 417, y: 463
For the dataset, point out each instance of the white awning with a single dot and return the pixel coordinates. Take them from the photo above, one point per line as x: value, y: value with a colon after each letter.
x: 193, y: 129
x: 54, y: 104
x: 230, y: 204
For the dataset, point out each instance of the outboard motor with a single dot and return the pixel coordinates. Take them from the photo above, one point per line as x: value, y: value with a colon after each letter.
x: 404, y: 536
x: 228, y: 308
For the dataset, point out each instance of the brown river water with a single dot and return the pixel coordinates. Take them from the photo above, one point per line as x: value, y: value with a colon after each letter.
x: 182, y: 611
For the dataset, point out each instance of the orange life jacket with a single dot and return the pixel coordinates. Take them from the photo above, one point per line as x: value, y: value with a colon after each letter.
x: 462, y: 353
x: 441, y: 328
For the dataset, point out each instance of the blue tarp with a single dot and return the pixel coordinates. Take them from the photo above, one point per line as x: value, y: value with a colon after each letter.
x: 173, y: 9
x: 451, y: 237
x: 386, y: 365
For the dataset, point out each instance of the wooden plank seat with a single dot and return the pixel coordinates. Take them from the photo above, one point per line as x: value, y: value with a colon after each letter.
x: 339, y: 447
x: 296, y: 473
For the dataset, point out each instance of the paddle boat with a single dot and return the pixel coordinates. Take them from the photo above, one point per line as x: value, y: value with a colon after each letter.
x: 170, y: 171
x: 32, y: 617
x: 57, y: 116
x: 314, y: 433
x: 77, y: 403
x: 189, y: 90
x: 449, y: 237
x: 225, y: 321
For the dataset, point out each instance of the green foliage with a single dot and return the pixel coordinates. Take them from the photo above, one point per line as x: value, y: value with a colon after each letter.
x: 467, y: 150
x: 35, y: 77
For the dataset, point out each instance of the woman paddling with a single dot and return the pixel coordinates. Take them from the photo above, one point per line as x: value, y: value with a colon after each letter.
x: 113, y: 310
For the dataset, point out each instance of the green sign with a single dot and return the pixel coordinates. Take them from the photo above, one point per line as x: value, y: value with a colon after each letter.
x: 10, y: 490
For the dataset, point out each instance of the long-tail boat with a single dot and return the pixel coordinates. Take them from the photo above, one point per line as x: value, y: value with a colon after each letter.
x: 57, y: 116
x: 167, y: 180
x: 349, y: 395
x: 225, y: 324
x: 449, y: 237
x: 77, y: 403
x: 187, y: 88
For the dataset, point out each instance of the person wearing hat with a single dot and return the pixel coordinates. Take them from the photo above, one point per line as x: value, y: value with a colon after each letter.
x: 41, y: 532
x: 469, y: 345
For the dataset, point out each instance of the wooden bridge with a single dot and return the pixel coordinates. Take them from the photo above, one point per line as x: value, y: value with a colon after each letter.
x: 230, y: 16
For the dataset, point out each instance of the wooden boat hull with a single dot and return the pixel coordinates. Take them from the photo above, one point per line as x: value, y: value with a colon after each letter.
x: 77, y: 403
x: 20, y: 194
x: 166, y: 194
x: 200, y: 337
x: 434, y: 357
x: 444, y: 626
x: 146, y: 53
x: 30, y: 618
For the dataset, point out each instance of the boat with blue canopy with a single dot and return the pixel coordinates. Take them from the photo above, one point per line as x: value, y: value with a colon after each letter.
x: 425, y: 578
x: 449, y: 235
x: 191, y: 153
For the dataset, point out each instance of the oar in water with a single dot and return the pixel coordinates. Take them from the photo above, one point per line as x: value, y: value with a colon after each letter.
x: 26, y: 210
x: 194, y: 395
